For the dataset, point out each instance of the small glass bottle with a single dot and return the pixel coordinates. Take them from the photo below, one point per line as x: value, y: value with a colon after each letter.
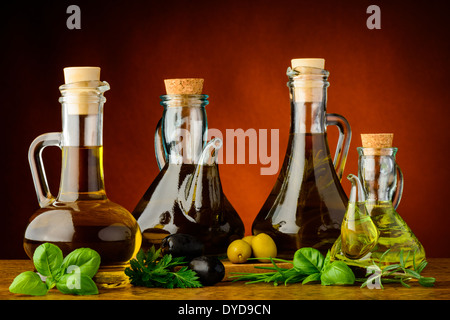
x: 81, y: 215
x: 381, y: 185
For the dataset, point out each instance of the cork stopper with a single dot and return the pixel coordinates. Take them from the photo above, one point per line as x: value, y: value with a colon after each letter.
x: 308, y: 62
x: 79, y: 103
x: 184, y: 86
x: 377, y: 140
x: 308, y: 88
x: 76, y: 74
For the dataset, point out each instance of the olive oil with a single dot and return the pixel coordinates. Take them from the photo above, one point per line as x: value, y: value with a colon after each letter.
x: 307, y: 203
x: 82, y: 216
x: 178, y: 201
x: 394, y: 237
x: 359, y: 235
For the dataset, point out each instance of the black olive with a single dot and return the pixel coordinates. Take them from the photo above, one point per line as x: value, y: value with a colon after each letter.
x: 210, y: 270
x: 182, y: 245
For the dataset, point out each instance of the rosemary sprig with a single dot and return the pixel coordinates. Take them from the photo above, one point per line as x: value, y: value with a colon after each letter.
x: 302, y: 272
x: 398, y: 273
x: 278, y: 275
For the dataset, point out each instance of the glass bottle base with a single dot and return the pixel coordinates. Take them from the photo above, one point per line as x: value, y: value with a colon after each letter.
x: 111, y: 277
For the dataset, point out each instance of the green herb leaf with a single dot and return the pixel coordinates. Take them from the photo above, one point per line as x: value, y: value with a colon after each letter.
x: 337, y: 273
x: 327, y: 260
x: 421, y: 266
x: 308, y: 261
x: 147, y: 271
x: 47, y: 259
x: 413, y: 273
x: 404, y: 284
x: 312, y: 277
x: 29, y: 283
x: 86, y: 259
x: 77, y: 283
x: 427, y: 281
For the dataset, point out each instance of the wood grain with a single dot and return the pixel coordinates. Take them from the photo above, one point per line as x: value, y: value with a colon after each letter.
x: 226, y: 290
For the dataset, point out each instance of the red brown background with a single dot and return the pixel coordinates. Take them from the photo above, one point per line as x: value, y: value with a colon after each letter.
x: 388, y: 80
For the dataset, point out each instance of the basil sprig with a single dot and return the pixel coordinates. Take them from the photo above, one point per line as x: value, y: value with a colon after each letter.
x: 71, y: 275
x: 308, y: 265
x: 316, y: 267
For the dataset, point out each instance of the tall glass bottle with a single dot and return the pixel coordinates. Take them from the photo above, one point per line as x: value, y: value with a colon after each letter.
x: 81, y: 215
x: 307, y: 203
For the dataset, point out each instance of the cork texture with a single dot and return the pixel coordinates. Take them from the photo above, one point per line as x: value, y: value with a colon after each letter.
x: 377, y: 140
x: 184, y: 86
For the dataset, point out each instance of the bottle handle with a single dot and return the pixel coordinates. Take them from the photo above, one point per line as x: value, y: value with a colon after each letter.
x: 343, y: 144
x: 37, y: 166
x: 160, y: 154
x: 399, y: 190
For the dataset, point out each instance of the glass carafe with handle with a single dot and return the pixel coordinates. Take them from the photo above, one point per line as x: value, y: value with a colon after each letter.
x: 81, y: 215
x: 382, y: 184
x: 307, y: 203
x: 186, y: 196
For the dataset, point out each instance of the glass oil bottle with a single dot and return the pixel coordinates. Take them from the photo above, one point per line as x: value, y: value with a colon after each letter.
x: 307, y: 203
x: 81, y: 215
x: 381, y: 183
x: 187, y: 196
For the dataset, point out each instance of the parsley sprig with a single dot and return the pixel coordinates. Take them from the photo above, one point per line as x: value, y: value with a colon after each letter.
x: 153, y: 270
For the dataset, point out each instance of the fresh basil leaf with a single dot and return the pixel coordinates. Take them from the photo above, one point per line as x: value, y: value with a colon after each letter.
x: 77, y: 283
x: 337, y: 273
x: 312, y: 277
x: 47, y: 259
x: 327, y: 260
x: 308, y: 261
x: 30, y: 283
x: 86, y: 259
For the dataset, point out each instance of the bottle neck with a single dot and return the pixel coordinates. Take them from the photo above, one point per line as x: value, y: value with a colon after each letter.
x: 377, y: 171
x: 82, y: 146
x: 82, y: 174
x: 308, y: 96
x: 184, y: 127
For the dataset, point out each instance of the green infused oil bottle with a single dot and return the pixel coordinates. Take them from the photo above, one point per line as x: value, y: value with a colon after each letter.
x: 380, y: 187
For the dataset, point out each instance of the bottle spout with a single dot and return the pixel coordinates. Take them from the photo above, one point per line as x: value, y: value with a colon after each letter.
x: 357, y: 191
x: 210, y: 152
x: 190, y: 185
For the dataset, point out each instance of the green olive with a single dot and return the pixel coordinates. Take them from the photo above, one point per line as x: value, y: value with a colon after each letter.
x: 239, y: 251
x: 263, y: 246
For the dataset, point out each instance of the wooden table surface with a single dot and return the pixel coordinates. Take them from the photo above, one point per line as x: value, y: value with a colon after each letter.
x: 226, y: 290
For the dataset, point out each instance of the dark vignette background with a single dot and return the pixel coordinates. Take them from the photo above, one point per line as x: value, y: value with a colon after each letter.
x: 388, y: 80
